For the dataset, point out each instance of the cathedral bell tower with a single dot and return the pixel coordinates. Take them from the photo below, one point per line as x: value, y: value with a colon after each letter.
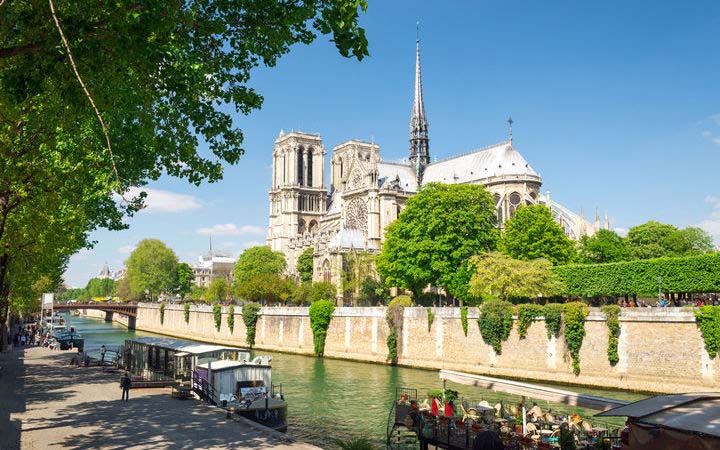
x: 419, y: 140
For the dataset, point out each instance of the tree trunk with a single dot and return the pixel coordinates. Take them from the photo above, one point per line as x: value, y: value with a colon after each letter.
x: 4, y: 302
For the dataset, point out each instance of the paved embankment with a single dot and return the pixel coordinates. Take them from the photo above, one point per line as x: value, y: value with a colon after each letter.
x: 46, y: 403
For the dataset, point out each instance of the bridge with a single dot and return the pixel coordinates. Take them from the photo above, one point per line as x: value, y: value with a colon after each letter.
x: 126, y: 309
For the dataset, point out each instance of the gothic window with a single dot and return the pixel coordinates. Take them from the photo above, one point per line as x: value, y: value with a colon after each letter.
x: 312, y: 228
x: 301, y: 226
x: 514, y: 203
x: 310, y: 167
x: 356, y: 215
x: 300, y: 179
x: 326, y: 271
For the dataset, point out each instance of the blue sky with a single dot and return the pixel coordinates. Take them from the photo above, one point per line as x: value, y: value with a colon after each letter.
x: 616, y: 104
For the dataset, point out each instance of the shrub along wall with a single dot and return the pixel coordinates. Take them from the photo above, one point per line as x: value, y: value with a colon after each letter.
x: 689, y: 274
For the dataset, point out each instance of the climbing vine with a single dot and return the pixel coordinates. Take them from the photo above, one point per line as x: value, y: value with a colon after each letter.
x: 321, y: 313
x: 526, y: 313
x: 708, y: 320
x: 392, y: 346
x: 553, y: 319
x: 250, y: 313
x: 612, y: 312
x: 431, y: 318
x: 495, y: 322
x: 162, y: 313
x: 393, y: 316
x: 575, y: 314
x: 231, y: 318
x: 463, y: 318
x: 186, y: 310
x: 217, y: 315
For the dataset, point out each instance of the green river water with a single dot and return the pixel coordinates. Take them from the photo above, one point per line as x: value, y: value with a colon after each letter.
x: 332, y: 399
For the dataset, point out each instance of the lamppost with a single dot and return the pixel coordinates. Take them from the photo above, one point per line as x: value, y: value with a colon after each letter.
x: 659, y: 288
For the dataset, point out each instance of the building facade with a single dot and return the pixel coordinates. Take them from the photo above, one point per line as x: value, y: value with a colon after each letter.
x: 366, y: 193
x: 213, y: 265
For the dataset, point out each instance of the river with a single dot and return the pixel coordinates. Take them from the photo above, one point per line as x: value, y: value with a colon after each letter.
x: 332, y: 399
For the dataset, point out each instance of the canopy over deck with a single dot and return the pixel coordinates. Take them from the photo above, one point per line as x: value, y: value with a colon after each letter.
x: 180, y: 345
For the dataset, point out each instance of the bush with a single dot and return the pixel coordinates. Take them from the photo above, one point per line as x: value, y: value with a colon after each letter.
x: 575, y: 314
x: 612, y: 313
x: 463, y: 318
x: 162, y: 313
x: 320, y: 315
x: 553, y: 319
x: 495, y: 322
x: 186, y: 312
x: 217, y: 315
x: 708, y: 320
x: 393, y: 316
x: 356, y: 444
x: 250, y: 314
x: 231, y: 318
x: 527, y: 312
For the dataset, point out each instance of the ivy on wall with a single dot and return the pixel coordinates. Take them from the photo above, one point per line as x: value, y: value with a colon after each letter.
x: 612, y: 313
x: 553, y: 319
x: 463, y: 318
x: 574, y: 318
x: 394, y: 317
x: 321, y: 313
x: 430, y: 318
x: 708, y: 320
x: 186, y: 310
x: 162, y: 313
x: 526, y: 313
x: 688, y: 274
x: 231, y: 318
x: 250, y: 314
x: 217, y: 315
x: 495, y: 322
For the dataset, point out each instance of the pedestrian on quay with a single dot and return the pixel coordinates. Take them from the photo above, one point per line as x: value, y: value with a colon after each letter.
x: 125, y: 383
x: 23, y: 339
x: 102, y: 354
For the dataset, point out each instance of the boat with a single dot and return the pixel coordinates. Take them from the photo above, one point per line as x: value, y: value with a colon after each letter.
x: 244, y: 388
x: 68, y: 339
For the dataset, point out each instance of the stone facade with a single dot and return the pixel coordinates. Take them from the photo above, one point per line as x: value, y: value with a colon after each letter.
x: 661, y: 350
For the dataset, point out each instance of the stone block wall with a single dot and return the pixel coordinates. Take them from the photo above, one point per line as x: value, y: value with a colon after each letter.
x: 661, y: 350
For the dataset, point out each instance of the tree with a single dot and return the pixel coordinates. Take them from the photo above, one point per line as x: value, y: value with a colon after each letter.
x: 156, y: 81
x: 532, y: 233
x: 305, y: 265
x: 256, y: 261
x: 498, y: 276
x: 197, y: 293
x: 101, y: 287
x: 650, y: 240
x: 689, y: 241
x: 267, y: 288
x: 357, y: 266
x: 433, y: 238
x: 373, y: 291
x: 72, y: 294
x: 185, y: 279
x: 322, y: 291
x: 218, y: 291
x: 604, y: 246
x: 151, y: 268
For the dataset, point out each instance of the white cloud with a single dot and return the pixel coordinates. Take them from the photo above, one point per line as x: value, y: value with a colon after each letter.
x: 82, y: 255
x: 711, y: 224
x: 715, y: 118
x: 162, y: 201
x: 126, y: 249
x: 252, y: 244
x: 716, y: 140
x: 230, y: 229
x: 621, y: 231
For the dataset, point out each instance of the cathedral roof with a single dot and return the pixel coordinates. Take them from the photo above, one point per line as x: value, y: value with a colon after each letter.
x: 388, y: 173
x: 495, y: 161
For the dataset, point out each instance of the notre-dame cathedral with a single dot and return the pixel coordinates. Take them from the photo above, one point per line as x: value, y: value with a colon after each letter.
x: 366, y: 193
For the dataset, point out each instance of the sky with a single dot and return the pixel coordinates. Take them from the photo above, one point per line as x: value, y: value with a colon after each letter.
x: 616, y: 104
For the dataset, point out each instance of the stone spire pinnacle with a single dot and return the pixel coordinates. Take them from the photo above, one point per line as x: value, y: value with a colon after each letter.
x: 419, y: 141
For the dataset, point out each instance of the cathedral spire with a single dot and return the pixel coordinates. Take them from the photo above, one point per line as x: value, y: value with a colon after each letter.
x: 419, y: 141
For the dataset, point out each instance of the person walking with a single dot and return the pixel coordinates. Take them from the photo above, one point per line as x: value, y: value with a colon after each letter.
x: 125, y: 383
x: 102, y: 354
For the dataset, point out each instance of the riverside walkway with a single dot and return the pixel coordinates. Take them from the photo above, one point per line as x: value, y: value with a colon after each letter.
x: 46, y: 403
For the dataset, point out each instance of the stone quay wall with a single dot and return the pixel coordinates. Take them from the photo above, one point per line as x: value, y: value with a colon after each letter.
x: 661, y: 350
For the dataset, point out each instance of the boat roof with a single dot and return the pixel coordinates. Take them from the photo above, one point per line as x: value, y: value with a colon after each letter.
x: 180, y: 345
x: 229, y: 364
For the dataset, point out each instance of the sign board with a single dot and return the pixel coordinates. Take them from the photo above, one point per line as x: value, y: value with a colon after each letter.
x: 47, y: 300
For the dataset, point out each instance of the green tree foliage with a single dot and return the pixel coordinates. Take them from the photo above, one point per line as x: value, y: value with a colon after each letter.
x: 603, y: 247
x: 197, y: 293
x: 162, y: 313
x: 186, y: 312
x: 162, y: 75
x: 322, y: 291
x: 433, y: 238
x: 320, y: 315
x: 708, y: 320
x: 526, y: 313
x: 612, y: 314
x: 258, y: 261
x: 372, y: 292
x: 430, y: 318
x: 357, y: 267
x: 688, y: 274
x: 650, y: 240
x: 301, y: 294
x: 305, y: 265
x: 498, y: 276
x: 267, y: 288
x: 231, y: 318
x: 77, y: 294
x: 185, y: 279
x: 689, y: 241
x: 101, y: 287
x: 250, y: 314
x: 464, y: 319
x: 532, y: 233
x: 152, y: 268
x: 574, y: 318
x: 218, y: 291
x: 495, y: 322
x: 217, y: 315
x: 553, y: 319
